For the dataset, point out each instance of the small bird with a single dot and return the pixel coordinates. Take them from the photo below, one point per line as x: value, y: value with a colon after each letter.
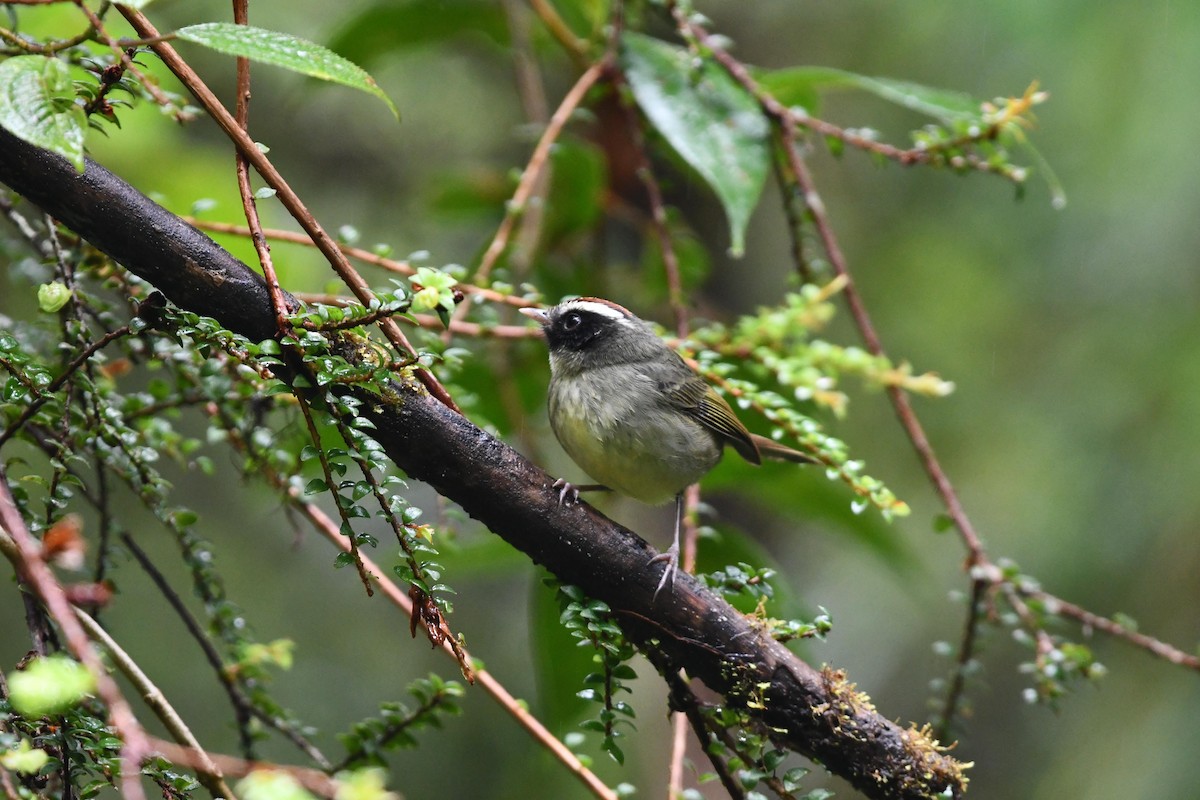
x: 632, y: 414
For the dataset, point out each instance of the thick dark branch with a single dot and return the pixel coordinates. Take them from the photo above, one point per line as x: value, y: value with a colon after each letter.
x: 191, y: 269
x: 817, y: 713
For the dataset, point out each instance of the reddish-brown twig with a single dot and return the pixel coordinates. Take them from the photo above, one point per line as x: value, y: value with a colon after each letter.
x: 366, y: 256
x: 529, y: 177
x: 291, y: 201
x: 241, y: 16
x: 329, y: 529
x: 32, y: 567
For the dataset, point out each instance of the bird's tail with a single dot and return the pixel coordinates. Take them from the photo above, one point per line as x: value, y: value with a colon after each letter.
x: 769, y: 448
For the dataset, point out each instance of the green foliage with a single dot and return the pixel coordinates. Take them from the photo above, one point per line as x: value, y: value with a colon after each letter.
x: 364, y: 784
x: 23, y: 757
x: 49, y: 685
x: 709, y: 120
x: 747, y: 753
x: 798, y: 86
x: 170, y: 780
x: 284, y: 50
x: 172, y: 396
x: 774, y: 348
x: 53, y: 296
x: 971, y: 133
x: 267, y: 784
x: 397, y: 724
x: 591, y: 622
x: 79, y: 737
x: 37, y: 103
x: 433, y: 290
x: 744, y: 581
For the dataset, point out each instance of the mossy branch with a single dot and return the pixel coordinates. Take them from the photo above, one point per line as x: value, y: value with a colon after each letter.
x: 816, y: 713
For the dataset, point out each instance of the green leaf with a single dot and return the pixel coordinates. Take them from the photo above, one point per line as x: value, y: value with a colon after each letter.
x: 798, y: 86
x: 24, y: 758
x: 136, y: 4
x: 49, y: 685
x: 265, y: 784
x: 53, y: 296
x: 711, y: 122
x: 284, y: 50
x: 37, y: 104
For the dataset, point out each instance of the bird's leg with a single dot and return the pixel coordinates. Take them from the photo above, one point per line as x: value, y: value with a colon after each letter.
x: 671, y: 556
x: 568, y: 493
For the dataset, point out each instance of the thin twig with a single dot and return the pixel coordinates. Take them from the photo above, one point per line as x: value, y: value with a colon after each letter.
x: 326, y: 526
x: 351, y: 538
x: 473, y: 330
x: 313, y: 780
x: 366, y: 256
x: 1113, y: 628
x: 966, y: 652
x: 291, y: 201
x: 24, y: 552
x: 126, y: 60
x: 45, y: 394
x: 22, y: 45
x: 541, y: 152
x: 576, y: 48
x: 241, y: 16
x: 688, y: 707
x: 207, y: 772
x: 793, y: 212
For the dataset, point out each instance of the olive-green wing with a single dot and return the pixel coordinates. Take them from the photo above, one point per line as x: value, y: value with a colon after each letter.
x: 700, y: 401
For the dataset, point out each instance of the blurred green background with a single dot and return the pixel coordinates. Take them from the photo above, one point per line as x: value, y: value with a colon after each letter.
x: 1072, y: 336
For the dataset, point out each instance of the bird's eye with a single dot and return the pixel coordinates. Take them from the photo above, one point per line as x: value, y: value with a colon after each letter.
x: 571, y: 322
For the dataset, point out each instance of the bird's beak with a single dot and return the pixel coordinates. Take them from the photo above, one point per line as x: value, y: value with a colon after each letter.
x: 541, y: 315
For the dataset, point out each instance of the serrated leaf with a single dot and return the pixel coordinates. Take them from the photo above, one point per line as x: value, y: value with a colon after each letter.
x: 713, y: 123
x: 798, y: 85
x: 284, y: 50
x: 37, y: 104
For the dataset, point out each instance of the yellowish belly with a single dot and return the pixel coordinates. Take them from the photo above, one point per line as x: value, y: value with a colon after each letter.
x: 638, y: 449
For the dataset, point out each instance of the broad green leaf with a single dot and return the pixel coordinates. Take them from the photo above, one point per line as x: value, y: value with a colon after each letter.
x: 797, y: 86
x: 284, y: 50
x: 711, y: 122
x: 37, y: 104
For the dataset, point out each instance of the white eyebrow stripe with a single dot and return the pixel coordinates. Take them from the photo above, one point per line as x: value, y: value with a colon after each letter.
x: 595, y: 308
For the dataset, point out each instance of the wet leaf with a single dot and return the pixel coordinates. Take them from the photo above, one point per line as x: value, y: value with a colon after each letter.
x: 710, y: 121
x: 284, y: 50
x: 37, y: 104
x: 799, y: 85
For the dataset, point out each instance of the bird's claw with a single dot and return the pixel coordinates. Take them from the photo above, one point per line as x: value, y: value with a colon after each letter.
x: 568, y: 494
x: 671, y: 557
